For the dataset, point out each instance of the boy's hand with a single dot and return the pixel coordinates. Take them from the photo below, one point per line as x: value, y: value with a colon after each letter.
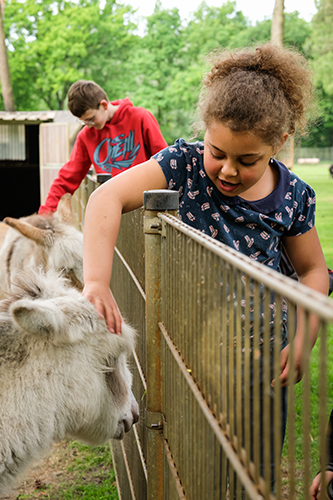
x: 101, y: 297
x: 317, y: 489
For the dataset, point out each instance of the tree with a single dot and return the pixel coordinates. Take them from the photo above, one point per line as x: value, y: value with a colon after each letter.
x: 207, y: 29
x: 321, y: 49
x: 277, y: 36
x: 155, y: 63
x: 7, y: 89
x: 56, y: 42
x: 277, y: 23
x: 322, y: 45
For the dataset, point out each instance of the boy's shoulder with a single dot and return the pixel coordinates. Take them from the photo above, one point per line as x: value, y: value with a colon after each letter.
x: 127, y: 111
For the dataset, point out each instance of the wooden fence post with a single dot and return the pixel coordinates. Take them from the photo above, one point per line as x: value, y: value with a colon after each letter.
x: 154, y: 202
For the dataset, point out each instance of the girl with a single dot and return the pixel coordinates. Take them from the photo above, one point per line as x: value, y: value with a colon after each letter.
x: 230, y: 186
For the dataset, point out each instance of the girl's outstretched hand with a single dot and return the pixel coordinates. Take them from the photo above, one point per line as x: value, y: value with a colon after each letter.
x: 101, y: 297
x: 285, y: 365
x: 317, y: 489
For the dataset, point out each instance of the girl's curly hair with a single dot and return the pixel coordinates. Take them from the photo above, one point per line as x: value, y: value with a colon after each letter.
x: 267, y: 91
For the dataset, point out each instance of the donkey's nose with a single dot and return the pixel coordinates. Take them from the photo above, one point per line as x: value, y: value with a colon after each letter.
x: 135, y: 411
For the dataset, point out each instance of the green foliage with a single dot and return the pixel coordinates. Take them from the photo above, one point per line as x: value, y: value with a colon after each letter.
x: 155, y: 64
x: 322, y: 48
x: 296, y: 32
x: 322, y: 129
x: 52, y: 43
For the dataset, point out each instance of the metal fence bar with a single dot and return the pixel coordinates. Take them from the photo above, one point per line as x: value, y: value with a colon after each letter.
x: 153, y: 416
x: 277, y: 401
x: 291, y: 408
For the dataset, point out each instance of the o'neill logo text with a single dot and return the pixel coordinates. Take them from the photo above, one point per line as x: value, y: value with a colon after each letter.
x: 118, y: 152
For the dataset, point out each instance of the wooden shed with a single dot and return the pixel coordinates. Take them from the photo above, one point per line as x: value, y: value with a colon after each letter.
x: 34, y: 145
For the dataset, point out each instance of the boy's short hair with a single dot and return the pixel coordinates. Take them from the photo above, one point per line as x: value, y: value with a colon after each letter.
x: 84, y: 95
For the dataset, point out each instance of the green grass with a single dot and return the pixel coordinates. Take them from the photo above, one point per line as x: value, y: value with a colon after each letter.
x: 318, y: 177
x: 313, y: 440
x: 86, y: 473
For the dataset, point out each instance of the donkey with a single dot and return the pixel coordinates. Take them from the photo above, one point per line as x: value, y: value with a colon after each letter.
x: 62, y: 374
x: 46, y: 241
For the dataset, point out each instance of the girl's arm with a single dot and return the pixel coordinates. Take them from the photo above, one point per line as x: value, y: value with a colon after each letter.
x: 307, y: 258
x: 119, y: 195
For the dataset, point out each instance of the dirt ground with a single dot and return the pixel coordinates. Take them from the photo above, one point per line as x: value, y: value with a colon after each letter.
x: 50, y: 470
x: 52, y: 477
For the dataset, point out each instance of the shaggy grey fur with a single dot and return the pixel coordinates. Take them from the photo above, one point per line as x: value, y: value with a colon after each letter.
x: 62, y: 374
x: 59, y: 247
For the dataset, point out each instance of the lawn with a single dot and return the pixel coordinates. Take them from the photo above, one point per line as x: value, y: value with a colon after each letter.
x: 318, y: 177
x: 72, y: 471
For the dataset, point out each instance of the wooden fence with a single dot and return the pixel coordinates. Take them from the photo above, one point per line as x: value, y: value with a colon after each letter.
x: 206, y: 315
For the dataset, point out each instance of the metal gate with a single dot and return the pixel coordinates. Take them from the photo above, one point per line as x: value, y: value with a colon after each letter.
x: 205, y: 318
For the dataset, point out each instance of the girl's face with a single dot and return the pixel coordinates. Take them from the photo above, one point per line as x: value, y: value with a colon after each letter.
x: 238, y: 163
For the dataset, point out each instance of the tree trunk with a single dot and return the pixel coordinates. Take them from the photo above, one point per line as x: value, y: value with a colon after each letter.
x: 277, y: 23
x: 7, y: 89
x: 286, y: 155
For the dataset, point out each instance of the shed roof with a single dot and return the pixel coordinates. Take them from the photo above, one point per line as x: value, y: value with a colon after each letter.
x: 27, y: 116
x: 36, y: 117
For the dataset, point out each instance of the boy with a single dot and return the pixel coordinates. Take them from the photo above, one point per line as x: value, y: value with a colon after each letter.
x: 116, y: 136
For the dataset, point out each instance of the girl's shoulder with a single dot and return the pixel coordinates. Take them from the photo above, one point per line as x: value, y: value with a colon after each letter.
x: 182, y: 165
x: 300, y: 187
x: 181, y: 148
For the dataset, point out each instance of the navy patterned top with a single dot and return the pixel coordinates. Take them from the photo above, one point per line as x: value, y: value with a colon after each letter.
x: 254, y: 228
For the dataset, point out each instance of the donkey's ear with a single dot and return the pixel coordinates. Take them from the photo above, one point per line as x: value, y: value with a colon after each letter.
x: 34, y: 317
x: 64, y: 210
x: 43, y: 237
x: 47, y: 318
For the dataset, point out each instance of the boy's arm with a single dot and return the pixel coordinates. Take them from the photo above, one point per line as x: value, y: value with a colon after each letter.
x: 120, y: 194
x: 153, y: 138
x: 70, y: 175
x: 306, y: 256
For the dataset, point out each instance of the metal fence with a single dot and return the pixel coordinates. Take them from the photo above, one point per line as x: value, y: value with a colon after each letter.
x: 209, y: 340
x: 324, y: 154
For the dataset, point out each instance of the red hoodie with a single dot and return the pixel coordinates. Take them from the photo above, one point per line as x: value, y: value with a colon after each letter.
x: 131, y: 137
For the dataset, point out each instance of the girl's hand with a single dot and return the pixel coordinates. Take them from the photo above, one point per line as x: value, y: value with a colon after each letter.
x: 285, y: 364
x: 101, y: 297
x: 317, y: 490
